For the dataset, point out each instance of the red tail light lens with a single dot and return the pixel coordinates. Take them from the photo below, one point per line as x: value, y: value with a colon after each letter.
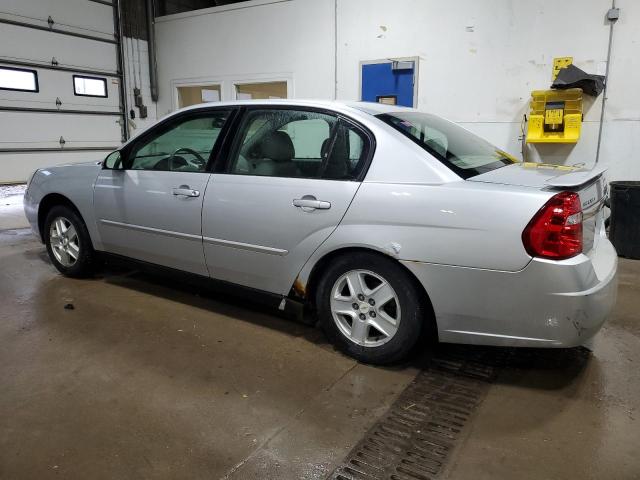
x: 555, y: 232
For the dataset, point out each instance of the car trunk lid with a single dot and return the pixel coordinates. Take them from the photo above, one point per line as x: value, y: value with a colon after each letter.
x: 590, y: 184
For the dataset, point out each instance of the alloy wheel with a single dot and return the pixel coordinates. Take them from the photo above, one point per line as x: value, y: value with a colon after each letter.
x: 64, y: 241
x: 365, y: 308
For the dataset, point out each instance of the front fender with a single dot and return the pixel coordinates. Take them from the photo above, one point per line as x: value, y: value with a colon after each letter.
x: 74, y: 183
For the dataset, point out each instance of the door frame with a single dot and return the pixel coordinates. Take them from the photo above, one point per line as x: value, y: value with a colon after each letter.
x: 416, y: 69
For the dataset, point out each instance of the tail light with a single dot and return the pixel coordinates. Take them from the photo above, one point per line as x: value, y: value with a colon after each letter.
x: 555, y: 232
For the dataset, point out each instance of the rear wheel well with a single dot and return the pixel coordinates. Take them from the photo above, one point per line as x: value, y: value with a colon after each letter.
x: 320, y: 267
x: 47, y: 203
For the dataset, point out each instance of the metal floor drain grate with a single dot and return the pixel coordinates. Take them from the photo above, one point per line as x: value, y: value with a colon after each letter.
x: 413, y: 440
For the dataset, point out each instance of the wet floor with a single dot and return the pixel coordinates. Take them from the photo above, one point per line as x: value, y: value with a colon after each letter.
x: 11, y: 210
x: 144, y: 378
x: 565, y: 417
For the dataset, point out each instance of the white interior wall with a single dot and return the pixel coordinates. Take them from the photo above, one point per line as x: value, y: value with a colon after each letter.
x: 256, y: 41
x: 621, y: 128
x: 136, y: 66
x: 479, y: 61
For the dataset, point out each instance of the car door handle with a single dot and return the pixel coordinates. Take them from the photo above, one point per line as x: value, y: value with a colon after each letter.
x: 185, y: 191
x: 308, y: 203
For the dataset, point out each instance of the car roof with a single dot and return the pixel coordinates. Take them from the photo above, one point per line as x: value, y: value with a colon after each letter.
x: 375, y: 108
x: 367, y: 107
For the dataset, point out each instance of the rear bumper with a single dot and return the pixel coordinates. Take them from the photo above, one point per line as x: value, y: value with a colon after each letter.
x: 547, y: 304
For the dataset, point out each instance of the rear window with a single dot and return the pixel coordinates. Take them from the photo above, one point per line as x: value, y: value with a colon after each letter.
x: 461, y: 151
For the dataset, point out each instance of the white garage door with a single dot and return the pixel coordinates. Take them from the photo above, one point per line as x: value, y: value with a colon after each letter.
x: 60, y: 98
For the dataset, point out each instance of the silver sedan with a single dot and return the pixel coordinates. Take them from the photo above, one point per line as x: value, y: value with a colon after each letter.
x: 393, y: 225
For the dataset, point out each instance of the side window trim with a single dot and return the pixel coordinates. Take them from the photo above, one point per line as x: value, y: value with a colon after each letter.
x: 220, y: 155
x: 369, y: 145
x: 166, y: 125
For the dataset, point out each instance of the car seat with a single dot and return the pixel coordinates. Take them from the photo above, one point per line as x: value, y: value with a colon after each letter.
x: 278, y: 153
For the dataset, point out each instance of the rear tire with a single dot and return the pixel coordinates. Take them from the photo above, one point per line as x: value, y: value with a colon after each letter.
x: 370, y: 308
x: 68, y: 242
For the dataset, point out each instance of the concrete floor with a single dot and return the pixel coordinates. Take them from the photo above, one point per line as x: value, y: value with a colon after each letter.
x: 141, y: 380
x: 146, y: 379
x: 573, y: 417
x: 11, y: 210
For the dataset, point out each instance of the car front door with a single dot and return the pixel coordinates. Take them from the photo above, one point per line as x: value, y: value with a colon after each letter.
x: 288, y: 180
x: 149, y: 206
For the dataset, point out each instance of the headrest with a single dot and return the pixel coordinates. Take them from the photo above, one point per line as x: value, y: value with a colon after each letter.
x: 278, y: 147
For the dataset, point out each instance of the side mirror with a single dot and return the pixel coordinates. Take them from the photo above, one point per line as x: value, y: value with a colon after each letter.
x: 113, y: 161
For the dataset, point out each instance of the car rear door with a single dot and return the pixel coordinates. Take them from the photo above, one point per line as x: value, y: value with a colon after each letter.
x: 150, y: 209
x: 286, y: 183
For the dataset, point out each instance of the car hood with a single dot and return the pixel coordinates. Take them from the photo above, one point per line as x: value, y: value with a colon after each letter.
x: 95, y: 164
x: 78, y: 173
x: 73, y: 169
x: 540, y: 175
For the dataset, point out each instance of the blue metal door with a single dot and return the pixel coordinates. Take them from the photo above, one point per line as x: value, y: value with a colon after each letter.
x: 388, y: 82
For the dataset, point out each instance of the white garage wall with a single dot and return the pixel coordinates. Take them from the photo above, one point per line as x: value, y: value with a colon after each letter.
x: 72, y: 128
x: 79, y: 16
x: 260, y: 40
x: 621, y: 129
x: 40, y: 46
x: 478, y: 60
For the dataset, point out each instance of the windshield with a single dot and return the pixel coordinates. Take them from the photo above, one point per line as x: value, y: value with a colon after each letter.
x: 461, y: 151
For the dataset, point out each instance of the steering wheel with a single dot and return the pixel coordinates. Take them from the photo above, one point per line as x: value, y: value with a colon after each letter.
x: 201, y: 160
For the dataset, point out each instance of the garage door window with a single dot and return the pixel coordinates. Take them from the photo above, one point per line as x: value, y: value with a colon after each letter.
x: 89, y: 86
x: 18, y: 79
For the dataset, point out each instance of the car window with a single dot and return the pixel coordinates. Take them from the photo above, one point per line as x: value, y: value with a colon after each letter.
x: 308, y: 136
x: 463, y: 152
x: 356, y: 147
x: 298, y: 144
x: 184, y: 146
x: 283, y: 143
x: 348, y: 154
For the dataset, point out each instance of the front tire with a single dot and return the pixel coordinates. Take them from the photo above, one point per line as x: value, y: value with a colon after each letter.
x: 68, y: 242
x: 370, y: 308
